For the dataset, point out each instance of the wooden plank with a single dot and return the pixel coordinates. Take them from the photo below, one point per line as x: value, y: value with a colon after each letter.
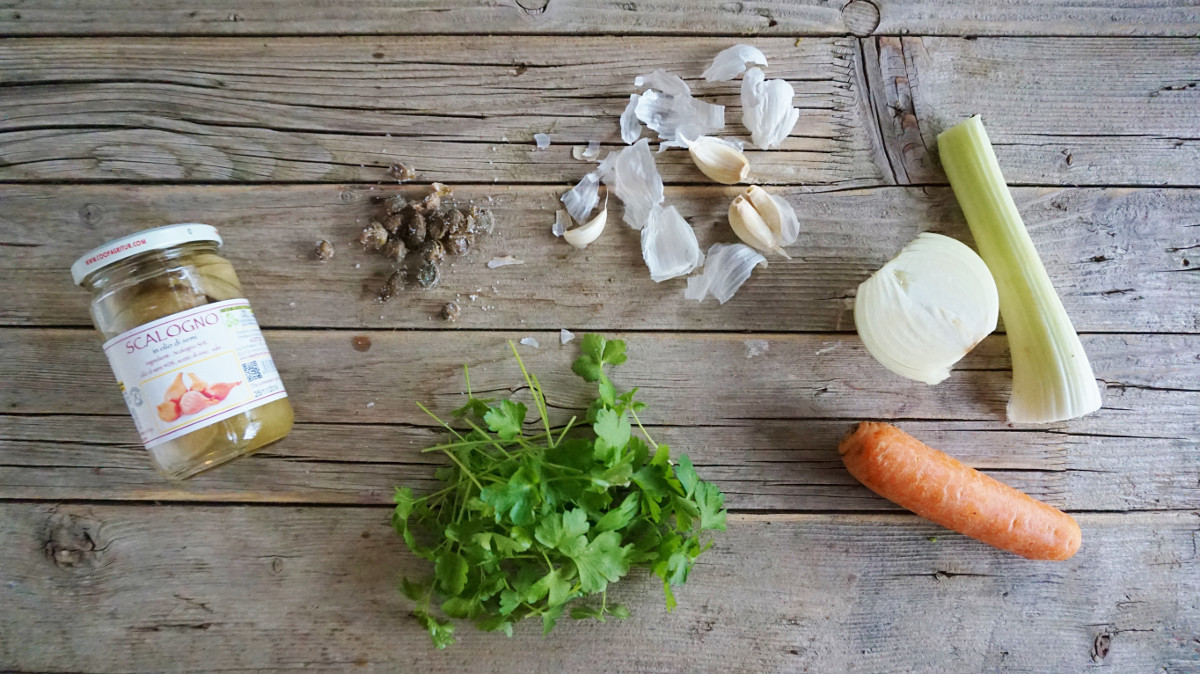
x: 800, y: 376
x: 344, y: 109
x: 1076, y: 111
x: 1151, y: 381
x: 249, y: 588
x: 1119, y: 258
x: 773, y: 465
x: 770, y: 17
x: 424, y: 17
x: 1179, y: 18
x: 321, y: 109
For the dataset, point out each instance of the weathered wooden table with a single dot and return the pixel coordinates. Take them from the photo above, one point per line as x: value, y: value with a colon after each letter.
x: 276, y: 120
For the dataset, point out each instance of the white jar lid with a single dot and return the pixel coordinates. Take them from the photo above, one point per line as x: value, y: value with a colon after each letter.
x: 136, y: 244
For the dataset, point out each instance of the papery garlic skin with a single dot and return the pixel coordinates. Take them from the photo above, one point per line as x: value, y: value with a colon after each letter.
x: 634, y: 178
x: 562, y: 220
x: 731, y: 62
x: 668, y: 107
x: 725, y: 270
x: 631, y: 128
x: 582, y: 199
x: 719, y: 159
x: 927, y: 308
x: 669, y: 245
x: 767, y: 110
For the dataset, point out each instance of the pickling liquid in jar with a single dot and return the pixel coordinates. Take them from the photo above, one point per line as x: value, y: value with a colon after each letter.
x: 185, y: 347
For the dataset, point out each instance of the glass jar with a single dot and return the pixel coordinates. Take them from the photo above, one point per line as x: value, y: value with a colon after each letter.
x: 185, y: 347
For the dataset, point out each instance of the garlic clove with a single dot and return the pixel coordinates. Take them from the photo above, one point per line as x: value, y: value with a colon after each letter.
x: 766, y: 207
x: 778, y: 214
x: 588, y: 232
x: 719, y: 159
x: 750, y: 226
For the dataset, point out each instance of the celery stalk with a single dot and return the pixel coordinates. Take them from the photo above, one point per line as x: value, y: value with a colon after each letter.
x: 1052, y: 379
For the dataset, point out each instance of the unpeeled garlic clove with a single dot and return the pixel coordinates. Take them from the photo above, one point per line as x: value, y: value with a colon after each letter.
x: 751, y: 227
x: 588, y: 232
x: 719, y: 159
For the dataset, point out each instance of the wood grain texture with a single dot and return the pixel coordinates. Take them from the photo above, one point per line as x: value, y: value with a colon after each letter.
x: 1076, y: 111
x: 769, y: 17
x: 321, y: 109
x: 1150, y: 380
x: 766, y: 425
x: 121, y: 587
x: 1122, y: 260
x: 1179, y: 18
x: 774, y: 465
x: 344, y: 109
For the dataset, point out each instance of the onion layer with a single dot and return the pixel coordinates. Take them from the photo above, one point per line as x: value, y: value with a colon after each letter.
x: 927, y: 308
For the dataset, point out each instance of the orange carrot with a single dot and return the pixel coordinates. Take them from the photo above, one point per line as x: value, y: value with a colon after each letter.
x: 939, y: 488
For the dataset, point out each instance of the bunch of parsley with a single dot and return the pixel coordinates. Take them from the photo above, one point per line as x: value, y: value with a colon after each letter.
x: 531, y: 522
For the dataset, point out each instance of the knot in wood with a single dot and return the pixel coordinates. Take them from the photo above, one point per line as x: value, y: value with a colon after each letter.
x: 861, y: 17
x: 90, y: 214
x: 71, y: 541
x: 533, y: 7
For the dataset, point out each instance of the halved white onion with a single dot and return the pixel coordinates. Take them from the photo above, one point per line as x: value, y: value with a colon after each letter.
x: 927, y: 308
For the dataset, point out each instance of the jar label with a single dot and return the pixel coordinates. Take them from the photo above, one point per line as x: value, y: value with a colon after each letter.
x: 192, y: 369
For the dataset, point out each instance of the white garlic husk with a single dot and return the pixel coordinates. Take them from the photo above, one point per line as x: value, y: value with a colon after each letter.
x: 725, y: 270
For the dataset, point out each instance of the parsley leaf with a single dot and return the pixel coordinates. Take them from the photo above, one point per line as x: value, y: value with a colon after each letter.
x: 514, y: 499
x: 564, y: 531
x: 602, y: 561
x: 712, y: 503
x: 597, y: 352
x: 450, y: 570
x: 506, y: 420
x: 538, y: 523
x: 621, y: 516
x: 612, y: 435
x: 552, y: 585
x: 441, y: 632
x: 687, y: 475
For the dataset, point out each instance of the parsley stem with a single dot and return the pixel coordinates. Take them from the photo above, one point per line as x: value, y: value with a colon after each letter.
x: 442, y: 423
x: 466, y: 471
x: 433, y: 494
x: 490, y: 439
x: 564, y: 431
x: 539, y: 398
x: 643, y: 428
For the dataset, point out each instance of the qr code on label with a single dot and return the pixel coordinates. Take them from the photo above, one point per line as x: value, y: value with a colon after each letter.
x: 252, y: 370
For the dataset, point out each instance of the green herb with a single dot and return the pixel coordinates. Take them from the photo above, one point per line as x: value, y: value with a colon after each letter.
x: 534, y: 520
